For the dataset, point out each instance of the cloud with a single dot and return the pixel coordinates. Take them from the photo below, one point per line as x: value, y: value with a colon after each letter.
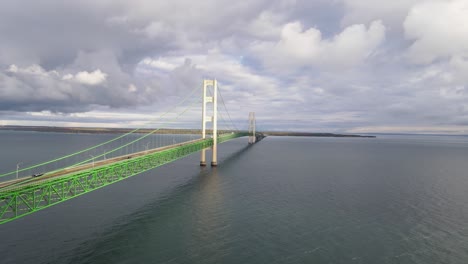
x: 90, y: 78
x: 32, y: 88
x: 159, y: 64
x: 266, y: 25
x: 365, y: 11
x: 439, y: 30
x: 298, y: 47
x: 333, y: 65
x: 33, y: 70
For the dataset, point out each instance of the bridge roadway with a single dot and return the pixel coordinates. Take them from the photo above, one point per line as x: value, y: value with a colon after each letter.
x: 25, y: 181
x: 28, y: 195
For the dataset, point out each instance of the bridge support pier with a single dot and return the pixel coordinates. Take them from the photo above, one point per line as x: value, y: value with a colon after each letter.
x: 203, y: 161
x: 210, y: 99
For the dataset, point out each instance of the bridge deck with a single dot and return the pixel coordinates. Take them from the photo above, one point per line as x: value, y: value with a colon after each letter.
x: 28, y: 195
x: 24, y: 181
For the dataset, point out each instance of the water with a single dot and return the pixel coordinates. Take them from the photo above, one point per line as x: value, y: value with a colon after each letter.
x: 394, y: 199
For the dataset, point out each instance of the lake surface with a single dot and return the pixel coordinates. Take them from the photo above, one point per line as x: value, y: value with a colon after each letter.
x: 394, y: 199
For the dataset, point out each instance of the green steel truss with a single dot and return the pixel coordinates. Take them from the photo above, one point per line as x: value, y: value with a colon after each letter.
x: 24, y: 200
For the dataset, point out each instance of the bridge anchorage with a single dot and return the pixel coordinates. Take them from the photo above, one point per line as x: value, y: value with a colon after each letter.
x: 27, y: 194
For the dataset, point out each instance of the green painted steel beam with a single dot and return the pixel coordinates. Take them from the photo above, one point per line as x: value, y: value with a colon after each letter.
x: 20, y: 200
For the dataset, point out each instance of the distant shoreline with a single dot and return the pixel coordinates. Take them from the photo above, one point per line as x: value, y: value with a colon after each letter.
x: 97, y: 130
x: 306, y: 134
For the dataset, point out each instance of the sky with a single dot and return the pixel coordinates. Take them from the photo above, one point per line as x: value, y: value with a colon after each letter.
x: 348, y: 66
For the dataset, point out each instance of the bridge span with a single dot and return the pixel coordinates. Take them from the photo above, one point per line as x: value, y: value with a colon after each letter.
x: 26, y: 195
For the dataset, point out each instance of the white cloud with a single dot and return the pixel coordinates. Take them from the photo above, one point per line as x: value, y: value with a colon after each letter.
x: 34, y: 69
x: 439, y: 30
x: 457, y: 92
x: 364, y: 11
x: 156, y: 29
x: 158, y: 64
x: 89, y: 78
x: 298, y: 47
x: 67, y: 77
x: 458, y: 70
x: 33, y: 88
x: 266, y: 25
x: 22, y: 84
x: 243, y: 89
x: 354, y: 44
x: 132, y: 88
x: 13, y: 68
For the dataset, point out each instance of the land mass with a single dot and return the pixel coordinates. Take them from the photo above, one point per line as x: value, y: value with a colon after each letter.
x: 99, y: 130
x: 306, y: 134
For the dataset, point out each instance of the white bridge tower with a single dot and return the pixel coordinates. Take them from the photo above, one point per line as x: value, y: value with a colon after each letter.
x: 214, y: 118
x: 252, y: 123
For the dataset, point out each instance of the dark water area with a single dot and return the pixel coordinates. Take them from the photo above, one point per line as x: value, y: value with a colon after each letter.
x: 394, y: 199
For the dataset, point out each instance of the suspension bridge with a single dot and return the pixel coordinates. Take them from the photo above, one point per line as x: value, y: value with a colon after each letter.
x: 38, y: 186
